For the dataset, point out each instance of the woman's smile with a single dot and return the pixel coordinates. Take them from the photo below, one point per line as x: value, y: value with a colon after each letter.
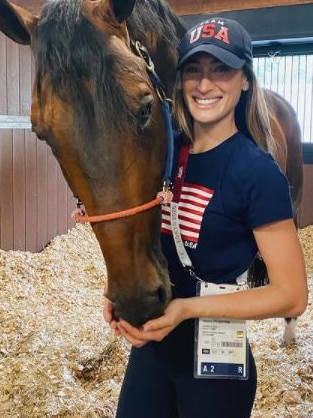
x: 208, y: 101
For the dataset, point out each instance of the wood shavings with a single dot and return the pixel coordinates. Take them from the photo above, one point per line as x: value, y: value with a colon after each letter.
x: 306, y: 238
x: 59, y: 359
x: 53, y: 331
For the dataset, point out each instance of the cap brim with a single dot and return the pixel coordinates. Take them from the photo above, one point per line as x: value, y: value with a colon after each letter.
x: 228, y: 58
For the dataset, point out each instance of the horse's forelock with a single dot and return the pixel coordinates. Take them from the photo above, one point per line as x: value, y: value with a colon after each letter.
x: 68, y: 49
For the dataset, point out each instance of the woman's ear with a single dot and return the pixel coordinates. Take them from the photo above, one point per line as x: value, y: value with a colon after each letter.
x: 245, y: 86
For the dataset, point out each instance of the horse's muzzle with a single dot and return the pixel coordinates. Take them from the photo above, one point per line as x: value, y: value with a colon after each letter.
x: 140, y: 309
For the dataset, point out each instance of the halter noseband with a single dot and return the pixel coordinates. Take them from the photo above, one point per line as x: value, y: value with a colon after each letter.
x: 164, y: 196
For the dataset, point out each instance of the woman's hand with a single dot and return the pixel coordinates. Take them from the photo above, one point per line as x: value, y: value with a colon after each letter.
x: 108, y: 314
x: 156, y: 329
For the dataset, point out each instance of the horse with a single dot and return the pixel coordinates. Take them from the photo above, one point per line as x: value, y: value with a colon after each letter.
x: 95, y: 105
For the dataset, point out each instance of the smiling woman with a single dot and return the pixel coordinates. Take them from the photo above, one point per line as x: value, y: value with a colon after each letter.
x: 230, y: 202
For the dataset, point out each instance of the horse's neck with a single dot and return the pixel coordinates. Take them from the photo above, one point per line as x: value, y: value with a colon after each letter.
x: 280, y: 152
x: 277, y: 120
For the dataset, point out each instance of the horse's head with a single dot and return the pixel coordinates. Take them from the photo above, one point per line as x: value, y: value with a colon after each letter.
x: 95, y: 106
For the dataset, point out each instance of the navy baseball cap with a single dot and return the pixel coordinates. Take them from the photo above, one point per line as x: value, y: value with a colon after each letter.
x: 225, y: 39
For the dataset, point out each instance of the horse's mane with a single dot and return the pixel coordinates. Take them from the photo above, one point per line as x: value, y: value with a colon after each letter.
x: 69, y: 49
x: 155, y: 17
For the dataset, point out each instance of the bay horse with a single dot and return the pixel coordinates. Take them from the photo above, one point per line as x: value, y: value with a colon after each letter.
x: 95, y: 105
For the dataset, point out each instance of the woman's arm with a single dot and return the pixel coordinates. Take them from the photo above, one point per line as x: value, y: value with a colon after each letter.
x: 281, y: 250
x: 285, y: 296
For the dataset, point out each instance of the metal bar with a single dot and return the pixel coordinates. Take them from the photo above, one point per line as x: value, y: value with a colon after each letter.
x: 14, y: 122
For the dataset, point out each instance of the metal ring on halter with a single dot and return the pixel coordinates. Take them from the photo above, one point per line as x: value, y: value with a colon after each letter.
x: 144, y: 55
x: 161, y: 94
x: 163, y: 98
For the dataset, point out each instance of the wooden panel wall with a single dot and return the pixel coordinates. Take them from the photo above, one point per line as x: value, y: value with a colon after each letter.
x: 187, y: 7
x: 35, y: 201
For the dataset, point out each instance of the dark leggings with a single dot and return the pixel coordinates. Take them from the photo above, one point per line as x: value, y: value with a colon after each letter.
x: 159, y: 383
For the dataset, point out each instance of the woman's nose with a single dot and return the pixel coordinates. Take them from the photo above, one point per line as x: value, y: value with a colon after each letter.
x: 205, y: 84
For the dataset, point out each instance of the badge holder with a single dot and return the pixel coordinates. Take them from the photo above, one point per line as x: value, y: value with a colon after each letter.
x: 221, y: 346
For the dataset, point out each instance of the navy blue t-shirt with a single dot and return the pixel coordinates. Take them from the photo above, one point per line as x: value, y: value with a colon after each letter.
x: 227, y: 192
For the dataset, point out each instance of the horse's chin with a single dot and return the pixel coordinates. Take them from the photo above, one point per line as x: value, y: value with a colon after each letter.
x: 135, y: 319
x: 139, y: 308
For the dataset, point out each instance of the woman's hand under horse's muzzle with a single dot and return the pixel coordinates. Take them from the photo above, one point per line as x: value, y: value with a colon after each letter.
x: 108, y: 314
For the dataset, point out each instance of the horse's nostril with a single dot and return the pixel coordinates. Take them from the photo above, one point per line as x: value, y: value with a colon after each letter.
x: 161, y: 294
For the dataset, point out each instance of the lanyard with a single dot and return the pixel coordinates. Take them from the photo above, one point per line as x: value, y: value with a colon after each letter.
x: 181, y: 172
x: 178, y: 186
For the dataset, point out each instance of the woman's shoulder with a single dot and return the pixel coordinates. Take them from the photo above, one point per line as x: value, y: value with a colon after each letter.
x: 250, y: 167
x: 249, y: 158
x: 248, y: 147
x: 254, y: 175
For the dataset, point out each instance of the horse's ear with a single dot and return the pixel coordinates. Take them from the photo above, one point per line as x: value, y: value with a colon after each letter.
x: 17, y: 23
x: 122, y: 9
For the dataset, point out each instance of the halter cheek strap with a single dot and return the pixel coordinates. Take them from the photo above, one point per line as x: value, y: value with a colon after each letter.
x: 166, y: 108
x: 165, y: 195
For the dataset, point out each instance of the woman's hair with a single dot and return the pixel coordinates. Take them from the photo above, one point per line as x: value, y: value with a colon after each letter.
x: 251, y: 114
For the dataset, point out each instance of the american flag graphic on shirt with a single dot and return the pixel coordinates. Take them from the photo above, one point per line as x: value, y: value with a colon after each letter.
x: 193, y: 201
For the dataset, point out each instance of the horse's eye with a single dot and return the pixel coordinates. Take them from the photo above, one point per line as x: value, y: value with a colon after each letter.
x: 144, y: 113
x: 39, y: 135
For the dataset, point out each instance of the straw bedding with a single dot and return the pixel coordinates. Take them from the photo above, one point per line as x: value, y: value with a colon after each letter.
x: 59, y: 359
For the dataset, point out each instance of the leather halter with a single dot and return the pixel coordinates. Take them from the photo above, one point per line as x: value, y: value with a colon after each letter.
x: 165, y: 195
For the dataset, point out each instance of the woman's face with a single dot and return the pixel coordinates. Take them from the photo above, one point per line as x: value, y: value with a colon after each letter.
x: 212, y: 90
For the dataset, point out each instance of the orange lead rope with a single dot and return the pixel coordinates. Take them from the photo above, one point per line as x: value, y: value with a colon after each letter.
x: 165, y: 197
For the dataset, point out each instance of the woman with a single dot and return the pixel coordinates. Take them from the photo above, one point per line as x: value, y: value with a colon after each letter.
x: 233, y: 202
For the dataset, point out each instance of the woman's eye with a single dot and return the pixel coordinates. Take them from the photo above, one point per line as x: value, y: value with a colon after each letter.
x: 222, y: 68
x: 191, y: 69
